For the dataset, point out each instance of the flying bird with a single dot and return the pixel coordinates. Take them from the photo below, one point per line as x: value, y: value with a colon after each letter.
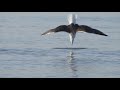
x: 73, y: 27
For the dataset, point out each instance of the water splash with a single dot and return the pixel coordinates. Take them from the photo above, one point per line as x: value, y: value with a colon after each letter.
x: 72, y: 18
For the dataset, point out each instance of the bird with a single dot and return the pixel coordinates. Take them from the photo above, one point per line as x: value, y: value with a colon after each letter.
x: 72, y: 28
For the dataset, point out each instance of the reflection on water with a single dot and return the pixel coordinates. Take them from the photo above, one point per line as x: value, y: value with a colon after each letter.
x: 70, y: 48
x: 72, y: 64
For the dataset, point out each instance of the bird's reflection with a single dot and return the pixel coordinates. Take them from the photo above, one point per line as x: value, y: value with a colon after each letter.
x: 72, y: 63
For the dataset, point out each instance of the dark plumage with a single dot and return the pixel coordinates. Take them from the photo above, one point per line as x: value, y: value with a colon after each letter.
x: 75, y: 27
x: 72, y: 28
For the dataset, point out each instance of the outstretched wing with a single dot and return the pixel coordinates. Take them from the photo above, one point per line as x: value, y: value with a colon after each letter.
x: 57, y: 29
x: 90, y: 30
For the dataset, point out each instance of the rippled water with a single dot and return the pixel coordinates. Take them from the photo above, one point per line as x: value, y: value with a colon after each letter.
x: 25, y: 53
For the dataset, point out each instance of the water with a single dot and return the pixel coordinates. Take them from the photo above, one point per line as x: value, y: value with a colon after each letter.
x: 24, y: 53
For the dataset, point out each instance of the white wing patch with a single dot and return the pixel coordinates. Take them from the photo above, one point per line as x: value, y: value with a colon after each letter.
x: 49, y: 33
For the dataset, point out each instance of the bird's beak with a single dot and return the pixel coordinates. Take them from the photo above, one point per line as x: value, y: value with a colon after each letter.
x: 72, y: 36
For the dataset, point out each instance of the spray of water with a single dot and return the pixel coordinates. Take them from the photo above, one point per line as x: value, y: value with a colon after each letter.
x: 72, y: 18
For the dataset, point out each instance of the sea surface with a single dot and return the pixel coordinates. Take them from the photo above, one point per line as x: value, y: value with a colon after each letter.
x: 24, y: 53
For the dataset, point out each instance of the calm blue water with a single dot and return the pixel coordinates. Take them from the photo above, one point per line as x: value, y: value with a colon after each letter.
x: 24, y: 53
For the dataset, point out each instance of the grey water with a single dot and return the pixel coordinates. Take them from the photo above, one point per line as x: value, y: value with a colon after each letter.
x: 24, y: 53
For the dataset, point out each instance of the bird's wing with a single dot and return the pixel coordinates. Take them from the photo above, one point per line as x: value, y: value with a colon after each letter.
x: 90, y: 30
x: 57, y: 29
